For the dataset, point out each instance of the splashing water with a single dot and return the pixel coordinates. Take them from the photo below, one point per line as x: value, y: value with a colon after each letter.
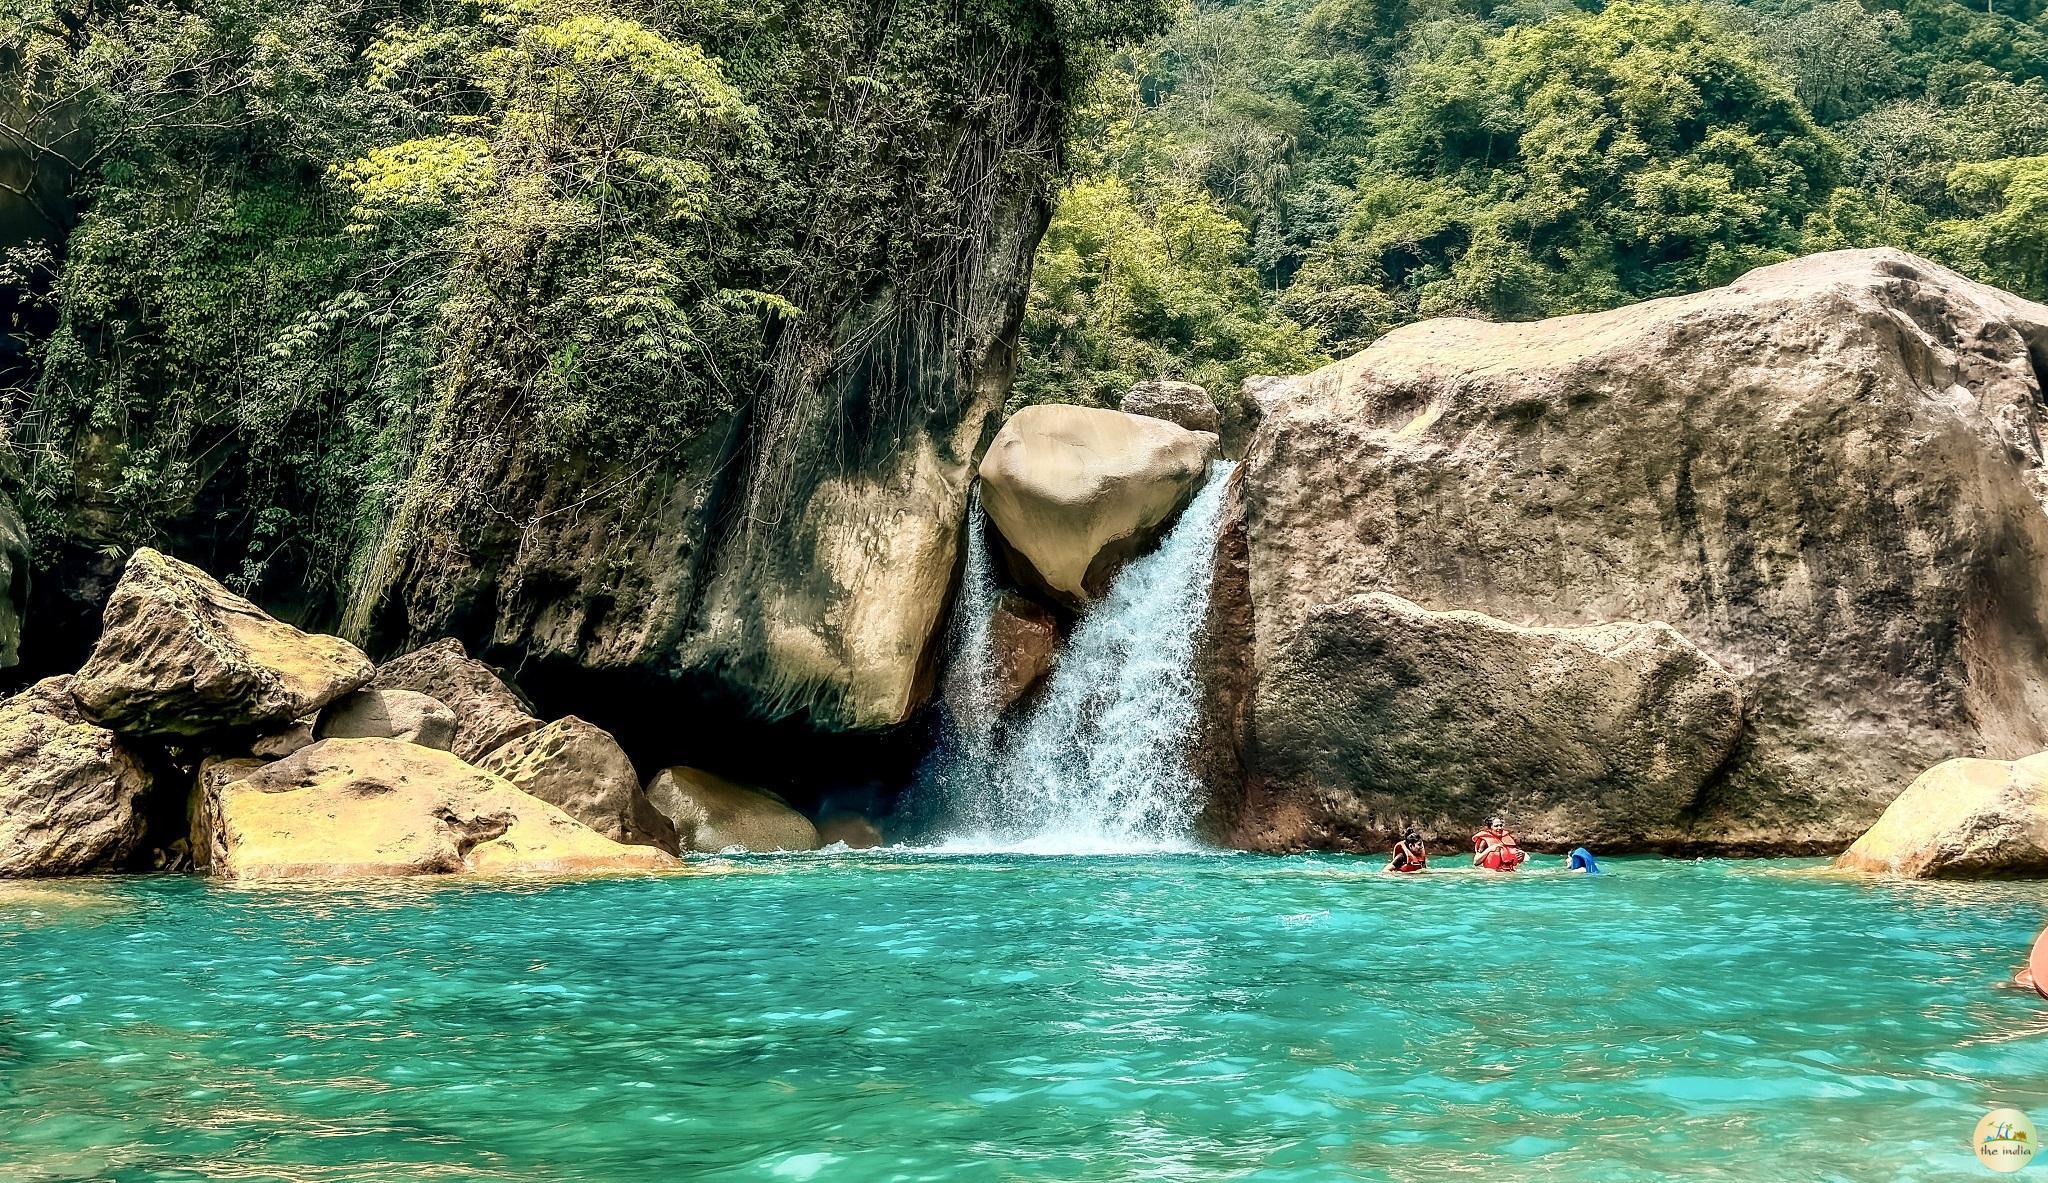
x: 1099, y: 765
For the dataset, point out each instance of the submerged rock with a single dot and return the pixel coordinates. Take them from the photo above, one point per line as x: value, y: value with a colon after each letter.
x: 711, y: 814
x: 1962, y: 819
x: 583, y: 771
x: 1075, y: 491
x: 855, y: 831
x: 1827, y: 476
x: 488, y: 712
x: 350, y: 808
x: 1436, y: 720
x: 69, y: 787
x: 380, y: 713
x: 1183, y: 403
x: 180, y: 655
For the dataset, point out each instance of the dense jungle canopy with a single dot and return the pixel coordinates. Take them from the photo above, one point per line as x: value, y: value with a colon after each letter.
x: 1274, y: 182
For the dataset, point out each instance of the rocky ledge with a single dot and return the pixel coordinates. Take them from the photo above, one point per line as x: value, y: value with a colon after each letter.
x: 205, y: 734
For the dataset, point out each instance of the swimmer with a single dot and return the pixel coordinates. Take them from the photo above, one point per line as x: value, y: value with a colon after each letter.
x: 1410, y: 854
x: 1496, y: 848
x: 1580, y: 861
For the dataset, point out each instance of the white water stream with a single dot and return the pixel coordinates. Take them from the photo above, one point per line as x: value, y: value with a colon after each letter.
x: 1099, y: 762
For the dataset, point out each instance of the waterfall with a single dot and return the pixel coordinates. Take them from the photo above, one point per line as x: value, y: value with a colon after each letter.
x: 1099, y: 763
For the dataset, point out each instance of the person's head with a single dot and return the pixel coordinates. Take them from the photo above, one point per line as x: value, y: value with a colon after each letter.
x: 1412, y: 837
x: 1496, y: 824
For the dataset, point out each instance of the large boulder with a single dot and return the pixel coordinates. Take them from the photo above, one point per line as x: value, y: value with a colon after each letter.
x: 1436, y: 720
x: 488, y: 712
x: 582, y: 770
x: 215, y: 774
x: 1962, y: 819
x: 1183, y: 403
x: 69, y: 788
x: 1075, y: 491
x: 711, y: 814
x: 1827, y: 476
x: 380, y: 713
x: 180, y: 655
x: 352, y: 808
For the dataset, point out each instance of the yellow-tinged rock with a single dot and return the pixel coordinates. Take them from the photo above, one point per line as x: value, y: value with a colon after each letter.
x: 1075, y: 491
x: 712, y: 814
x: 180, y: 655
x: 352, y: 808
x: 1962, y: 819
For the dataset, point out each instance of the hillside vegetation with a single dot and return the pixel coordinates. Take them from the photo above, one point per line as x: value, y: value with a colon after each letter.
x: 1273, y: 182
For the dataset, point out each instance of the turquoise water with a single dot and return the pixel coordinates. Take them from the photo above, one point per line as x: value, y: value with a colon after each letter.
x: 898, y: 1016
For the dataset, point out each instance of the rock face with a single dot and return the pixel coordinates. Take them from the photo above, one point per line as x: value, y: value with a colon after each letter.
x: 1023, y: 638
x: 580, y: 769
x: 1074, y: 491
x: 352, y: 808
x: 215, y: 774
x: 68, y: 787
x: 14, y: 567
x: 180, y: 655
x: 1826, y: 476
x: 378, y: 713
x: 711, y: 814
x: 1603, y: 735
x: 487, y: 711
x: 1183, y: 403
x: 1962, y: 819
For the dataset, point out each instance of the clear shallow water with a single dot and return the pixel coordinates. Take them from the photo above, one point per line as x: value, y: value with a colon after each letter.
x: 902, y: 1016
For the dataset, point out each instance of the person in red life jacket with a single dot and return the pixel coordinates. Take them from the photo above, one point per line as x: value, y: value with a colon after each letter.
x: 1496, y: 848
x: 1410, y: 855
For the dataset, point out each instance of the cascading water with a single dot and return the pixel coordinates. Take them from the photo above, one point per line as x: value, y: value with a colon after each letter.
x: 1099, y: 764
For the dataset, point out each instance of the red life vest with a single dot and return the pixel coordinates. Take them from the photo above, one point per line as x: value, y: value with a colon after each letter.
x: 1408, y: 860
x: 1506, y: 855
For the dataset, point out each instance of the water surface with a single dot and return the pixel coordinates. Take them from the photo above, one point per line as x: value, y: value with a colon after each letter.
x: 900, y: 1016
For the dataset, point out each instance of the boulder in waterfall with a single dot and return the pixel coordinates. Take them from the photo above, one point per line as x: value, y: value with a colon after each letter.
x: 711, y: 814
x: 1602, y: 734
x: 1826, y: 476
x: 69, y: 788
x: 180, y: 655
x: 581, y: 769
x: 355, y: 808
x: 1074, y: 492
x: 1962, y: 819
x: 1183, y: 403
x: 849, y: 829
x: 488, y: 712
x: 381, y: 713
x: 1022, y: 639
x: 14, y: 568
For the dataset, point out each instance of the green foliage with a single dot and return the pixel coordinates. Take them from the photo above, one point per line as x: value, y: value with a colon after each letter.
x: 311, y: 230
x: 1124, y: 292
x: 1396, y: 159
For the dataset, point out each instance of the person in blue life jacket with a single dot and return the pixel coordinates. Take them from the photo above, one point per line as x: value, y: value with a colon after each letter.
x: 1580, y: 861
